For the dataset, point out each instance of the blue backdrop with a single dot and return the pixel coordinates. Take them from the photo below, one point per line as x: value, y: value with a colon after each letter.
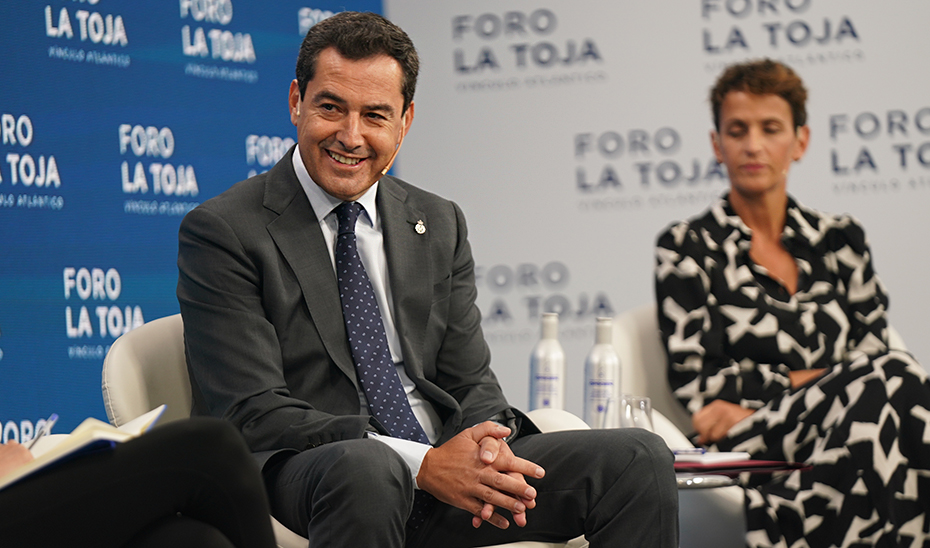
x: 116, y: 118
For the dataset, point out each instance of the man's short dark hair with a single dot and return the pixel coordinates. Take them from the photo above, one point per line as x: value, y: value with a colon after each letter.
x: 761, y: 77
x: 356, y: 36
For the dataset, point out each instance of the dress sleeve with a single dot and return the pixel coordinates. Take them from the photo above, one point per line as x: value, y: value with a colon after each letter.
x: 694, y: 331
x: 866, y: 295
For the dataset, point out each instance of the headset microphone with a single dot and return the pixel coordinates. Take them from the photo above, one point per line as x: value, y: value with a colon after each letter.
x: 393, y: 156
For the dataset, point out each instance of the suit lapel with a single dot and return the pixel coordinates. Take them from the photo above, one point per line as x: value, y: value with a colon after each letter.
x: 297, y: 234
x: 408, y: 261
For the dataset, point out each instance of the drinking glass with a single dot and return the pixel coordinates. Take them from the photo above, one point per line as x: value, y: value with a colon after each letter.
x: 636, y: 412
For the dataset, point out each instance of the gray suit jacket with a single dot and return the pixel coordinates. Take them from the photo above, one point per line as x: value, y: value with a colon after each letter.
x: 263, y: 327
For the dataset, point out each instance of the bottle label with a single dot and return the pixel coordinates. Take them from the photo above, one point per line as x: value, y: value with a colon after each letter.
x: 547, y: 379
x: 548, y: 392
x: 601, y: 404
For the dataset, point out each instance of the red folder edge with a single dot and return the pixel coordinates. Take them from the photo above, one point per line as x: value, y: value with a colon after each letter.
x: 734, y: 468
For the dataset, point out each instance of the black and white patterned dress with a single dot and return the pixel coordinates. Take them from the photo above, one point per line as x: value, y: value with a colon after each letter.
x: 733, y: 333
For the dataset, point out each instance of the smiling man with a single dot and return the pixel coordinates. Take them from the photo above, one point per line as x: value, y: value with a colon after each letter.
x: 350, y: 120
x: 329, y: 313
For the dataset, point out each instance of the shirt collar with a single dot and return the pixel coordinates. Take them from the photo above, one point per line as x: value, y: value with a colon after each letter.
x: 796, y: 231
x: 322, y: 202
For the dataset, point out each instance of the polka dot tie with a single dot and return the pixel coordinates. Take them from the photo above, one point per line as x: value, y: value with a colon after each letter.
x: 377, y: 373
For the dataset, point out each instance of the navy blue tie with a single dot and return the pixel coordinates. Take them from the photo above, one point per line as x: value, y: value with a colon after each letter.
x: 377, y: 373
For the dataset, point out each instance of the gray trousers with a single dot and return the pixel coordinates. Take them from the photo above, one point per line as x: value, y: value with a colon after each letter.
x: 616, y: 487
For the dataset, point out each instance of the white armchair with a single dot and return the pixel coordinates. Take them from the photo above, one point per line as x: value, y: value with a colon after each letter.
x: 146, y: 367
x: 708, y: 518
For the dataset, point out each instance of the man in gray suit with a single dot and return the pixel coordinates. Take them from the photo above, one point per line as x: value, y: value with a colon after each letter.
x: 265, y: 316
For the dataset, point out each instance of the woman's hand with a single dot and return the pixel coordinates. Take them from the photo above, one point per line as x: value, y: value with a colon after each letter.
x: 12, y: 456
x: 714, y: 420
x: 804, y: 376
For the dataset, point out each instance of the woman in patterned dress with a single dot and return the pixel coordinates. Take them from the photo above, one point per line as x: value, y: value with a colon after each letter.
x: 775, y: 326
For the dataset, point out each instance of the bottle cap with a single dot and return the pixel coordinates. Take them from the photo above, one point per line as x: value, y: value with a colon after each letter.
x: 604, y: 331
x: 550, y: 325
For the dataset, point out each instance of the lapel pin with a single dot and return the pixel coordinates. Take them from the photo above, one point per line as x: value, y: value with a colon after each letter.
x: 420, y: 228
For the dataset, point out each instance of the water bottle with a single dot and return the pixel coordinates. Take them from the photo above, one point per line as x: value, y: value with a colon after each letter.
x: 602, y: 379
x: 547, y: 367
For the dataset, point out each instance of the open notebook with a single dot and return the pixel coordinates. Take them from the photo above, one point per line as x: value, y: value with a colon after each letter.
x: 90, y: 436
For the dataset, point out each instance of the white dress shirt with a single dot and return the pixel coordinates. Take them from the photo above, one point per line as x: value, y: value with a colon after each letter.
x: 371, y: 251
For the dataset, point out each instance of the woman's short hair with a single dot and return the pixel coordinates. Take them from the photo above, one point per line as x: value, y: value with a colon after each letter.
x: 762, y: 77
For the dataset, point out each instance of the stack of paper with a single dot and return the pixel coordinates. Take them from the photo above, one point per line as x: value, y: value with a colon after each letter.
x: 709, y: 457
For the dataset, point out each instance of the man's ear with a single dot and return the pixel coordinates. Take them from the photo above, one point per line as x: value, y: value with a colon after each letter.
x: 408, y: 119
x: 293, y: 101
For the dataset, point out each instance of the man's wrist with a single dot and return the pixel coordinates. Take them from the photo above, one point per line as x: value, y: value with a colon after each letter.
x: 411, y: 452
